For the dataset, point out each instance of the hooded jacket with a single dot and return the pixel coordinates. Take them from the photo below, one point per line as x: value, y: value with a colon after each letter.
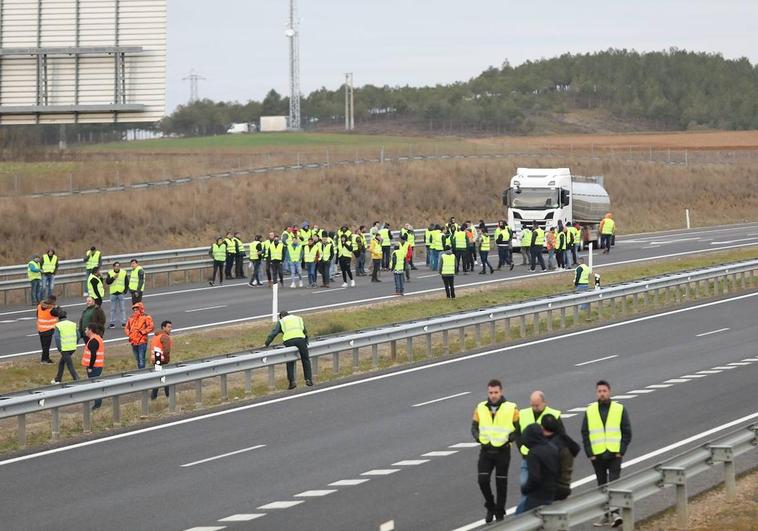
x: 138, y: 326
x: 543, y: 464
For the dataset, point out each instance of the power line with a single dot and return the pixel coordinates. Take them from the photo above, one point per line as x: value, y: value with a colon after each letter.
x: 194, y: 79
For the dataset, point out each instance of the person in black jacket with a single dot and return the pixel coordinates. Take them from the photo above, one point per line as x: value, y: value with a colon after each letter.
x: 544, y: 470
x: 568, y: 449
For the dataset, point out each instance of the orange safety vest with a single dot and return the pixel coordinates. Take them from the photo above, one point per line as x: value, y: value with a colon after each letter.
x: 99, y: 357
x: 156, y: 347
x: 45, y: 319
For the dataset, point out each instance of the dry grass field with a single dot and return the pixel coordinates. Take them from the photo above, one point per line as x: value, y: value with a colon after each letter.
x: 644, y: 196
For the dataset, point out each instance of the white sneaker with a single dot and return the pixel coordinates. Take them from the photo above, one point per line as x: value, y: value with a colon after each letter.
x: 301, y: 283
x: 344, y: 284
x: 54, y: 382
x: 292, y: 285
x: 352, y: 283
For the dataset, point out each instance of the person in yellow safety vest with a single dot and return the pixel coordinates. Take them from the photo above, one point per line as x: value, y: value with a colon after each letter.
x: 375, y: 248
x: 34, y: 275
x: 447, y: 271
x: 276, y: 253
x: 218, y: 253
x: 494, y: 428
x: 267, y: 255
x: 436, y: 247
x: 230, y: 255
x: 397, y: 265
x: 410, y: 237
x: 295, y: 257
x: 560, y: 247
x: 294, y: 334
x: 92, y: 259
x: 607, y: 230
x: 65, y: 340
x: 256, y: 256
x: 136, y: 281
x: 345, y: 258
x: 485, y: 246
x: 327, y: 256
x: 239, y: 256
x: 606, y: 434
x: 573, y: 242
x: 428, y: 244
x: 582, y: 277
x: 359, y: 250
x: 96, y: 287
x: 460, y: 248
x: 503, y: 237
x: 311, y: 256
x: 526, y: 244
x: 304, y: 233
x: 49, y: 270
x: 531, y: 415
x: 386, y: 235
x: 116, y: 279
x: 538, y: 242
x: 406, y: 248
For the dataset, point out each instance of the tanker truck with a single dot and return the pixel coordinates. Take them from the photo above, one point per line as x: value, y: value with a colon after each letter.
x: 546, y: 196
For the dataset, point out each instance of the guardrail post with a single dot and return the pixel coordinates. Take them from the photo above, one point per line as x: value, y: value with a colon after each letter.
x: 224, y: 388
x: 676, y: 476
x: 248, y: 382
x: 536, y: 321
x: 623, y: 306
x: 726, y: 284
x: 589, y: 311
x: 172, y: 398
x: 563, y: 318
x: 507, y: 330
x: 576, y: 314
x: 554, y: 520
x: 549, y: 316
x: 116, y: 415
x: 336, y: 363
x: 21, y: 431
x: 375, y: 356
x: 522, y: 326
x: 462, y: 338
x: 446, y: 341
x: 743, y: 280
x: 315, y: 367
x: 272, y: 374
x: 478, y: 335
x: 409, y: 348
x: 665, y: 295
x: 55, y: 424
x: 678, y: 294
x: 145, y: 404
x: 198, y: 394
x: 493, y: 333
x: 623, y: 499
x: 725, y: 454
x: 356, y: 359
x: 86, y: 417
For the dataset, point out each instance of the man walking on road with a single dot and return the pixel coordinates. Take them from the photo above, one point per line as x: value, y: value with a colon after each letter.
x: 294, y: 334
x: 65, y: 342
x: 447, y: 271
x: 46, y: 326
x: 493, y: 427
x: 160, y: 352
x: 93, y: 358
x: 607, y: 229
x: 606, y: 434
x: 137, y: 329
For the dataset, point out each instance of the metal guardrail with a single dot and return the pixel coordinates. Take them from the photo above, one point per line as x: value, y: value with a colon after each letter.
x: 625, y: 492
x: 52, y: 398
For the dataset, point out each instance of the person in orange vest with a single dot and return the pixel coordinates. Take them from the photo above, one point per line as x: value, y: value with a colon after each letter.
x: 138, y: 327
x: 46, y: 326
x: 93, y: 358
x: 160, y: 351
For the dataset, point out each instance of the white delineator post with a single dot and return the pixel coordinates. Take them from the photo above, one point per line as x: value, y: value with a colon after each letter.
x: 275, y: 302
x: 687, y: 216
x: 589, y: 256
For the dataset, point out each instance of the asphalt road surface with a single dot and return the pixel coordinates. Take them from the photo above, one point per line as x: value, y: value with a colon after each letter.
x: 393, y: 446
x: 192, y: 307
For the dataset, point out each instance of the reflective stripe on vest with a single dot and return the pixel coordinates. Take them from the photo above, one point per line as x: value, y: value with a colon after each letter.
x: 292, y: 327
x: 98, y: 292
x: 584, y: 276
x: 99, y: 357
x: 295, y: 253
x: 448, y: 264
x: 605, y: 438
x: 134, y: 278
x: 119, y: 284
x: 608, y: 226
x: 45, y: 319
x: 219, y: 252
x: 49, y: 264
x: 399, y: 260
x: 526, y: 417
x: 93, y: 260
x: 67, y: 330
x: 310, y: 253
x: 485, y: 242
x: 526, y: 238
x: 495, y: 431
x: 33, y: 275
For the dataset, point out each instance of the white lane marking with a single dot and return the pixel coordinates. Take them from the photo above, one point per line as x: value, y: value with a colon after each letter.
x: 676, y: 380
x: 429, y: 276
x: 750, y: 359
x: 464, y: 445
x: 440, y: 453
x: 224, y: 455
x: 315, y: 493
x: 578, y: 409
x: 595, y: 361
x: 242, y: 517
x: 204, y: 309
x: 441, y: 399
x: 281, y: 504
x: 739, y: 363
x: 724, y: 368
x: 734, y: 241
x: 694, y: 376
x: 411, y: 370
x: 669, y: 242
x: 31, y: 335
x: 381, y: 472
x: 347, y: 482
x: 411, y: 462
x: 328, y: 290
x: 642, y: 391
x: 206, y: 528
x: 387, y: 526
x: 640, y: 459
x: 389, y: 297
x: 623, y: 397
x: 712, y: 332
x: 568, y: 415
x: 659, y: 386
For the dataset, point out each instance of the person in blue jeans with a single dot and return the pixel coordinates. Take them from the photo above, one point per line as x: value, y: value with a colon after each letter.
x: 34, y: 273
x: 397, y: 266
x: 137, y: 328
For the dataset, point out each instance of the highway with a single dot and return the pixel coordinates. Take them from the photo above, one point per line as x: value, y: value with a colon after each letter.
x: 192, y: 307
x: 395, y: 445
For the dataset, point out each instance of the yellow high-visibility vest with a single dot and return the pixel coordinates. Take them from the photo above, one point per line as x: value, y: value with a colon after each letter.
x: 526, y: 417
x: 495, y: 431
x: 292, y: 327
x: 448, y: 264
x: 605, y: 438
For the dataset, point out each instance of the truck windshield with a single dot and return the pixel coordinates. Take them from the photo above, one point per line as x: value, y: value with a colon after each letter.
x: 535, y: 198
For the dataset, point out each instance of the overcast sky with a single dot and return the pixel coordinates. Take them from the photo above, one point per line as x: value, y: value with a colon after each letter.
x: 240, y: 46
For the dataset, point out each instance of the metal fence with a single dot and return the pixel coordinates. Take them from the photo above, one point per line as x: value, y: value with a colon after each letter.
x: 614, y: 301
x: 626, y: 492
